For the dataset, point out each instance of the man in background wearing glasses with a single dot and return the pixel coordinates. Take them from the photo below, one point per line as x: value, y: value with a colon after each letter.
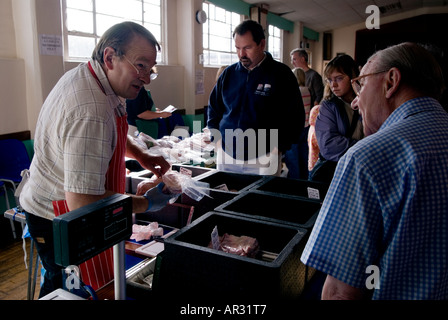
x: 382, y: 230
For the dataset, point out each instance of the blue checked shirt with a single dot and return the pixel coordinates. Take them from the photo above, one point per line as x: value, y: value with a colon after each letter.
x: 387, y: 206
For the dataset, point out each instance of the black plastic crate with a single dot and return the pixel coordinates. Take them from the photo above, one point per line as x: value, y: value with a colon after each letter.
x: 137, y: 284
x: 294, y: 187
x: 195, y: 170
x: 208, y: 203
x: 174, y: 215
x: 134, y: 178
x: 235, y: 182
x: 190, y: 267
x: 293, y: 211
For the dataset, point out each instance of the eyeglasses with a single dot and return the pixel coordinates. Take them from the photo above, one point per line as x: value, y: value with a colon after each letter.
x: 356, y: 83
x: 142, y: 69
x: 336, y: 79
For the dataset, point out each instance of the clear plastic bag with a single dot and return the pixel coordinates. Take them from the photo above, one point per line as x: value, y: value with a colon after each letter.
x: 178, y: 183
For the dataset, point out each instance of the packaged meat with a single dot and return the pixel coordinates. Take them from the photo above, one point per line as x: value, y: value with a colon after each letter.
x: 178, y: 182
x: 242, y: 245
x: 140, y: 232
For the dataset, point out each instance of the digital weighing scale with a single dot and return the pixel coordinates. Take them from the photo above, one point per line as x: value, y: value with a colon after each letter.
x: 85, y: 232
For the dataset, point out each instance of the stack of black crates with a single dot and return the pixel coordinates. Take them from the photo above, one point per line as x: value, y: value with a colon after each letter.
x: 278, y: 212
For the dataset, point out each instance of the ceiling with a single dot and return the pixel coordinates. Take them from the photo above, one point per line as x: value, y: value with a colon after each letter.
x: 326, y: 15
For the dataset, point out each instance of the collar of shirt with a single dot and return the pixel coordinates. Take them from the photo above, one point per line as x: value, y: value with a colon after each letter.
x: 409, y: 108
x: 115, y: 101
x: 250, y: 69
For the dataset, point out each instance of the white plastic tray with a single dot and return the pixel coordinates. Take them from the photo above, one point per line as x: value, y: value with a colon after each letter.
x: 153, y: 248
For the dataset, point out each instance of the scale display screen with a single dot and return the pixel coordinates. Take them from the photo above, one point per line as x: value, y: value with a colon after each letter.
x: 85, y: 232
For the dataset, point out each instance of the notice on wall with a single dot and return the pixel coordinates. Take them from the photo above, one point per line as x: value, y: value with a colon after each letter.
x: 50, y: 45
x: 200, y: 82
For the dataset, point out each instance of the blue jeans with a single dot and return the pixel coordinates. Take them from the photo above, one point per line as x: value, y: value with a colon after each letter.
x: 41, y: 230
x: 296, y: 158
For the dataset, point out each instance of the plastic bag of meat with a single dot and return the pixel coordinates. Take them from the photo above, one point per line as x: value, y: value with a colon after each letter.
x: 242, y: 246
x: 178, y: 183
x: 140, y: 233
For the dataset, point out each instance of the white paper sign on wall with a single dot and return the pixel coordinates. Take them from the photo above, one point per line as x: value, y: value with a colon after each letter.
x: 50, y: 45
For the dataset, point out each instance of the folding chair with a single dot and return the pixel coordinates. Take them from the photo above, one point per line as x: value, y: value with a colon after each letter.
x: 14, y: 158
x: 4, y: 191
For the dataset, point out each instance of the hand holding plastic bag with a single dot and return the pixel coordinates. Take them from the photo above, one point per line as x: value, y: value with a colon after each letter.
x: 157, y: 198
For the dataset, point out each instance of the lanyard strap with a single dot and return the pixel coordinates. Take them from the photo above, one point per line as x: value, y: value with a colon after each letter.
x: 96, y: 78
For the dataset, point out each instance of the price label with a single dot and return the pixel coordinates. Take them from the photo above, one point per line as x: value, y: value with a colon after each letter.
x: 313, y: 193
x: 215, y: 238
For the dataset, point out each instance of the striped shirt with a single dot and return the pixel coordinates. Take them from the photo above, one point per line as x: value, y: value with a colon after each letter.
x: 387, y: 206
x: 75, y: 139
x: 306, y: 98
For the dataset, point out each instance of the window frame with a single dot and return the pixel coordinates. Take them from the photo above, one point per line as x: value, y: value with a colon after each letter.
x: 162, y: 56
x: 271, y: 38
x: 232, y: 47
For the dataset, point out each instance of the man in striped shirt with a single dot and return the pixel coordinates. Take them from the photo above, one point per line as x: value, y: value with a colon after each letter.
x: 81, y: 138
x: 382, y: 230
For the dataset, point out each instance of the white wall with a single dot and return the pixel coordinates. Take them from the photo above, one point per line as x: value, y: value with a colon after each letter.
x: 8, y: 39
x: 12, y: 74
x: 13, y: 100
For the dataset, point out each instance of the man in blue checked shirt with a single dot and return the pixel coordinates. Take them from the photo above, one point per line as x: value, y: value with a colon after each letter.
x: 382, y: 232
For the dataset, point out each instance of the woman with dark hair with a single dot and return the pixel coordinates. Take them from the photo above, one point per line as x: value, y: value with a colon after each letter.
x: 338, y: 126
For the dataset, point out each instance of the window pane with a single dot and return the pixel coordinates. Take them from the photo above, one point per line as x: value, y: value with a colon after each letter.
x: 79, y: 21
x: 94, y: 17
x: 219, y: 58
x: 214, y: 59
x: 206, y: 57
x: 220, y: 15
x: 103, y: 23
x: 226, y: 58
x: 152, y: 14
x: 220, y: 29
x: 220, y: 44
x: 154, y: 2
x: 218, y: 35
x: 156, y: 30
x: 275, y: 42
x: 205, y: 41
x: 80, y: 4
x: 277, y: 32
x: 80, y: 47
x: 129, y: 10
x: 211, y: 13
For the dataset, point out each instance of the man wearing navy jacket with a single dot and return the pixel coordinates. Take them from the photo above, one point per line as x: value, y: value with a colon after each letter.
x: 255, y: 110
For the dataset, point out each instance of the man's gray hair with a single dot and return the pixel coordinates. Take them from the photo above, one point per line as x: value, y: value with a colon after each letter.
x: 119, y: 36
x: 418, y: 67
x: 301, y: 52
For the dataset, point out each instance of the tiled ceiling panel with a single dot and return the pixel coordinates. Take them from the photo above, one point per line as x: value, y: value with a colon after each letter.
x: 325, y: 15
